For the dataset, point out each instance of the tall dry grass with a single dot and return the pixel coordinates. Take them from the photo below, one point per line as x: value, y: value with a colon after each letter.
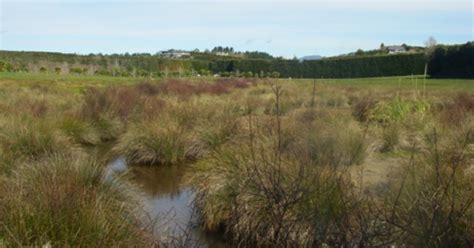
x: 265, y: 195
x: 66, y: 201
x: 274, y: 166
x: 431, y: 203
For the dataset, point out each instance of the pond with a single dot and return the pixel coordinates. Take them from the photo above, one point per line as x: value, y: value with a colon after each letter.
x: 168, y: 202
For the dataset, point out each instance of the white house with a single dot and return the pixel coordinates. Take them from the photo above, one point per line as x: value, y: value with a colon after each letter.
x: 222, y: 54
x: 396, y: 49
x: 175, y: 54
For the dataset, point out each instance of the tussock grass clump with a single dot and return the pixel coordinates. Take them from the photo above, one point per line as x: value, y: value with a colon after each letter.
x: 264, y: 200
x: 431, y: 204
x: 461, y: 107
x: 39, y: 108
x: 65, y: 201
x: 362, y: 108
x: 264, y: 194
x: 396, y: 110
x: 337, y: 100
x: 109, y: 127
x: 390, y: 137
x: 344, y: 147
x: 80, y: 131
x: 158, y: 141
x: 225, y: 125
x: 6, y: 163
x: 122, y: 102
x: 30, y: 139
x: 95, y: 103
x: 328, y: 139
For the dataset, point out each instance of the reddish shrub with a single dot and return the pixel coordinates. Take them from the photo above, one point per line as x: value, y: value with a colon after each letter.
x: 122, y: 100
x: 465, y: 101
x: 213, y: 89
x: 361, y: 108
x: 148, y: 88
x: 39, y: 87
x: 95, y: 103
x: 186, y: 88
x: 178, y: 87
x: 39, y: 108
x: 152, y: 106
x: 461, y: 107
x: 234, y: 82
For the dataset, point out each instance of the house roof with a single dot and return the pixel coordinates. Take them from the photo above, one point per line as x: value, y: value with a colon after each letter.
x: 395, y: 48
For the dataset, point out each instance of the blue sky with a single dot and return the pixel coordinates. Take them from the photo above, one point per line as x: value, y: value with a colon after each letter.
x: 282, y: 28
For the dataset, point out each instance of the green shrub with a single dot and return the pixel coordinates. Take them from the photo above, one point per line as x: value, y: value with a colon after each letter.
x: 397, y: 110
x: 76, y: 70
x: 6, y: 67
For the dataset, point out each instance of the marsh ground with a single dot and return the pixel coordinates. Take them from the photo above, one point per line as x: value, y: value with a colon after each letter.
x: 273, y: 162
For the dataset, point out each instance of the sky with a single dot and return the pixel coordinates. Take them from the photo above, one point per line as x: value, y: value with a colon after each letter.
x: 281, y: 28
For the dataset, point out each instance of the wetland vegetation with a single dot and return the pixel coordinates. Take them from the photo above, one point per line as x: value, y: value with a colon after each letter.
x: 263, y: 162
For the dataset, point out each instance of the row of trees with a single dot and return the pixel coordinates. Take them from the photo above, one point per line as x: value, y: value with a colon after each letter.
x: 368, y: 66
x: 452, y: 61
x: 440, y: 61
x: 329, y: 68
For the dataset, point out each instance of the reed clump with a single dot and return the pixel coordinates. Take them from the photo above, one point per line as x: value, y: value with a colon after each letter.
x: 159, y: 141
x: 66, y: 201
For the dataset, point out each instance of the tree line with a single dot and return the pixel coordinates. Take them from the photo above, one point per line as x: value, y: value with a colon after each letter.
x: 442, y: 61
x: 452, y: 61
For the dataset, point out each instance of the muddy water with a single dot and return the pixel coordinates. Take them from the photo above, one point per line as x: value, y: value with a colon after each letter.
x: 167, y: 202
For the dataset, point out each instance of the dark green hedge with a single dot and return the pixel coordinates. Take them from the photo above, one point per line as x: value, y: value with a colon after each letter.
x: 370, y: 66
x: 452, y: 61
x: 446, y: 61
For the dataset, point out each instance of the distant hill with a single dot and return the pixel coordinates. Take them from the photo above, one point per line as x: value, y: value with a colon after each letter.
x: 310, y: 57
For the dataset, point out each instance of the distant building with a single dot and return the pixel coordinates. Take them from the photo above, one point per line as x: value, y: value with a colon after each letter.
x: 222, y: 54
x: 175, y: 54
x: 395, y: 49
x: 310, y: 57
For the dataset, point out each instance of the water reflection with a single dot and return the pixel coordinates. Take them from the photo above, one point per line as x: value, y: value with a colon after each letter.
x: 159, y: 181
x: 168, y: 201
